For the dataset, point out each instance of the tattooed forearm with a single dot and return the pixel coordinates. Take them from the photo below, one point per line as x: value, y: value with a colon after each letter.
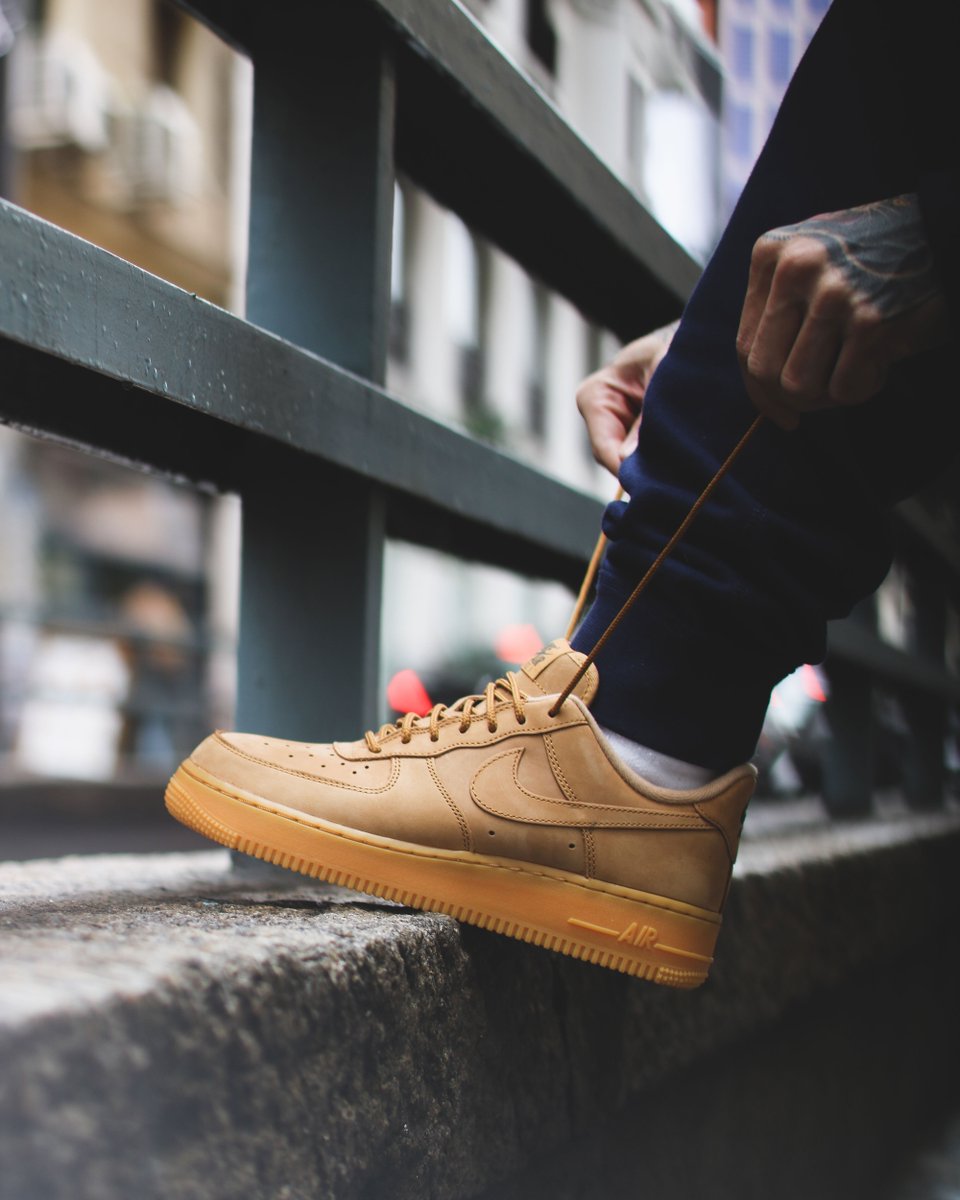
x: 881, y: 250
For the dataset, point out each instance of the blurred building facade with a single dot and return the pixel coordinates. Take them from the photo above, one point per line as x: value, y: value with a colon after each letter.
x: 761, y: 42
x: 480, y: 344
x: 128, y: 123
x: 125, y: 122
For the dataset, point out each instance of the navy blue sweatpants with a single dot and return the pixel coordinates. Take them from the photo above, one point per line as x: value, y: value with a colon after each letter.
x: 799, y: 531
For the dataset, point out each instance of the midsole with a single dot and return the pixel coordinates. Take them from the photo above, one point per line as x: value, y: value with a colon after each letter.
x: 614, y: 918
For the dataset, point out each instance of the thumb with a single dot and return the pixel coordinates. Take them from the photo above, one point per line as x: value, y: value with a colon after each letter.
x: 632, y: 440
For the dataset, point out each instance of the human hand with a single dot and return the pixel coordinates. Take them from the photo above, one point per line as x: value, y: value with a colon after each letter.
x: 610, y: 400
x: 832, y: 303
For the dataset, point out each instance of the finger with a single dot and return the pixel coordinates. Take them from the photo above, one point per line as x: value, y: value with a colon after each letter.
x: 609, y: 409
x: 631, y: 366
x: 776, y: 332
x: 632, y: 440
x: 606, y: 438
x: 762, y: 264
x: 763, y: 398
x: 805, y: 378
x: 608, y: 419
x: 793, y: 296
x: 772, y: 346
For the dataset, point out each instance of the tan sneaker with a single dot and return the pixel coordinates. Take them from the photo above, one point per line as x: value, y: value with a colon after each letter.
x: 496, y: 812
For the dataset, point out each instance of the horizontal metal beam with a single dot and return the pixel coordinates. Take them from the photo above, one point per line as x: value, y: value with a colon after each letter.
x: 175, y: 383
x: 935, y: 536
x: 99, y: 352
x: 479, y: 136
x: 861, y: 647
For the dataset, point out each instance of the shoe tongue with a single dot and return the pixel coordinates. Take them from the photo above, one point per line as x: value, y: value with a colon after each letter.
x: 552, y: 668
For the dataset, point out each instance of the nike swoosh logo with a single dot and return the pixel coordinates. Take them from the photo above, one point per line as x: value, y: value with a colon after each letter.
x: 497, y: 789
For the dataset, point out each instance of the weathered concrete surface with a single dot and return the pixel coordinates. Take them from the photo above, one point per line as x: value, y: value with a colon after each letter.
x: 168, y: 1029
x: 823, y: 1105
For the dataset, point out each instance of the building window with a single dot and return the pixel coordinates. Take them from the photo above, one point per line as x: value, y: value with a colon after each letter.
x: 537, y: 381
x: 742, y: 53
x: 636, y: 133
x: 399, y: 331
x: 781, y: 56
x: 541, y: 35
x: 740, y: 130
x: 169, y: 26
x: 467, y: 286
x: 596, y: 355
x: 462, y: 285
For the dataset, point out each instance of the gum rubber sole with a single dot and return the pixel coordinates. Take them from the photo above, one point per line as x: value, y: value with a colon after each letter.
x: 651, y: 937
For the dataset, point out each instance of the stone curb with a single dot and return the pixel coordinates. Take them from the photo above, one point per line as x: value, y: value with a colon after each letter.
x: 169, y: 1029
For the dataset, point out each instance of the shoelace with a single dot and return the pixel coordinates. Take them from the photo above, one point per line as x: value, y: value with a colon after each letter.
x: 507, y: 689
x: 654, y: 566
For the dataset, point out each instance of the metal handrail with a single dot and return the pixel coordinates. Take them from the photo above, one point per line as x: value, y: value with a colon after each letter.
x: 288, y: 408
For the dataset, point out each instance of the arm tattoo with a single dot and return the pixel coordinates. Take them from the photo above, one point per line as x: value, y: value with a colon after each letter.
x: 881, y: 250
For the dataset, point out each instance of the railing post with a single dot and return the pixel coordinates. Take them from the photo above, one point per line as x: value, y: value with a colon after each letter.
x: 319, y: 270
x: 849, y: 753
x: 924, y: 772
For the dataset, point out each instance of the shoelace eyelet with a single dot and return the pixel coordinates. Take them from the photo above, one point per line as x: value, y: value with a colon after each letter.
x: 412, y: 723
x: 522, y: 720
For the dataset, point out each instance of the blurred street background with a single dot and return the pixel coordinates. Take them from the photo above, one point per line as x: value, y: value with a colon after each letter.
x: 129, y: 123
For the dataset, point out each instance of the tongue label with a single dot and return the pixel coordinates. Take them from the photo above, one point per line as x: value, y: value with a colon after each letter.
x: 543, y: 658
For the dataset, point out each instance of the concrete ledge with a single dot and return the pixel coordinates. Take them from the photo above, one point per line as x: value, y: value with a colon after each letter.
x: 169, y: 1029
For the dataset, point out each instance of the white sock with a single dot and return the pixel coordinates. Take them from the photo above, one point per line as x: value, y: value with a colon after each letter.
x: 656, y: 768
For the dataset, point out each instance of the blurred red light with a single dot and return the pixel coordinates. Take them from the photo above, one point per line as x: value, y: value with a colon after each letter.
x: 517, y: 643
x: 405, y: 693
x: 812, y: 684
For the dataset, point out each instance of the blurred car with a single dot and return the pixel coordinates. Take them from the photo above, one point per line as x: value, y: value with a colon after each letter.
x: 789, y: 752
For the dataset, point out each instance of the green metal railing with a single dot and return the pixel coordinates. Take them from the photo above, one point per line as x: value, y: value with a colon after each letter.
x: 287, y: 407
